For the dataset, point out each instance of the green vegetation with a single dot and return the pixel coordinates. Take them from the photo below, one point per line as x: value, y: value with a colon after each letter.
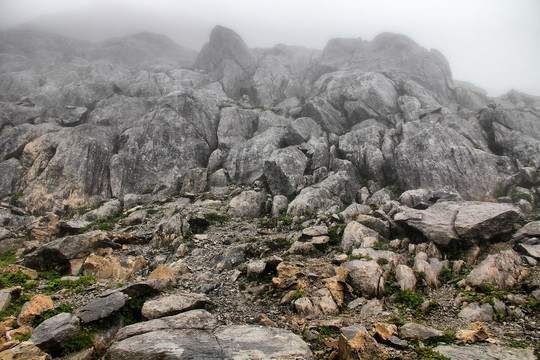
x: 13, y: 279
x: 382, y: 261
x: 6, y: 221
x: 49, y: 274
x: 374, y: 207
x: 277, y: 244
x: 409, y: 298
x: 80, y: 341
x: 446, y: 275
x: 499, y: 317
x: 429, y: 354
x: 15, y: 307
x: 394, y: 189
x: 152, y: 211
x: 335, y: 234
x: 448, y: 338
x: 16, y: 154
x: 275, y: 222
x: 7, y: 257
x: 148, y: 191
x: 105, y: 224
x: 57, y: 284
x: 516, y: 196
x: 217, y: 217
x: 15, y: 197
x: 328, y: 331
x: 297, y: 294
x: 360, y: 257
x: 242, y: 286
x: 396, y: 320
x: 62, y: 308
x: 499, y: 193
x: 377, y: 245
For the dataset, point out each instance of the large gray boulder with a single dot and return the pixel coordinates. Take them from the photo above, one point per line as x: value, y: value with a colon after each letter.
x: 365, y: 277
x: 178, y: 135
x: 284, y: 170
x: 338, y: 189
x: 248, y: 204
x: 173, y: 304
x: 245, y: 162
x: 469, y: 221
x: 236, y: 125
x: 431, y: 156
x: 395, y: 54
x: 230, y: 61
x: 51, y: 335
x: 484, y: 352
x: 504, y: 270
x: 259, y: 342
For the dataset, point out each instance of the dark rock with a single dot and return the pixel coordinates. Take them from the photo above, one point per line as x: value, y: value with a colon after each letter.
x: 174, y: 304
x: 51, y: 335
x: 102, y: 308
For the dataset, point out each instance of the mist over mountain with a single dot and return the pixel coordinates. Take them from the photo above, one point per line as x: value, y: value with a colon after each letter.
x: 354, y: 175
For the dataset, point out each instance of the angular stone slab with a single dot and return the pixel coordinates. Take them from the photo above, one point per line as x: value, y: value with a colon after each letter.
x: 174, y: 304
x: 258, y: 343
x: 489, y: 352
x: 102, y: 307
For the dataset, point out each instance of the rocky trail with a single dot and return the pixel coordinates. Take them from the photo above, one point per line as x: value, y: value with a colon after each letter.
x: 354, y: 202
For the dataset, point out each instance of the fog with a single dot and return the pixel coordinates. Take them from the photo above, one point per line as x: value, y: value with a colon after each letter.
x: 491, y: 43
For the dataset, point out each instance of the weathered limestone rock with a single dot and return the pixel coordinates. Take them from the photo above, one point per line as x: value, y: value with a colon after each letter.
x: 102, y: 308
x: 50, y: 335
x: 35, y: 307
x: 480, y: 352
x: 503, y: 270
x: 25, y: 351
x: 405, y: 277
x: 284, y: 170
x: 414, y: 330
x: 163, y: 272
x: 357, y: 235
x: 365, y: 277
x: 108, y: 266
x: 174, y: 304
x: 259, y: 342
x: 361, y: 346
x: 477, y: 312
x: 475, y: 332
x: 248, y: 204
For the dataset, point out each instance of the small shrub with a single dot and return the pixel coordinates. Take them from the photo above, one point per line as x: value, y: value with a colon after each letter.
x: 516, y: 196
x: 374, y: 207
x: 377, y: 245
x: 429, y: 354
x: 447, y: 338
x: 13, y: 279
x: 297, y: 294
x: 16, y: 154
x: 277, y: 244
x: 382, y: 261
x: 242, y: 286
x: 409, y: 298
x: 335, y: 234
x: 6, y: 221
x: 446, y: 275
x: 499, y: 193
x: 396, y: 320
x: 80, y: 341
x: 216, y: 217
x: 7, y: 257
x: 152, y: 211
x: 53, y: 274
x: 15, y: 197
x: 498, y: 317
x: 57, y: 284
x: 148, y: 191
x: 328, y: 331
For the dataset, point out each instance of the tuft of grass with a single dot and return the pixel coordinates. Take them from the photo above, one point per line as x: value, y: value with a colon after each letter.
x: 277, y: 244
x: 7, y: 257
x: 13, y: 279
x: 516, y: 196
x: 382, y: 261
x: 16, y: 154
x: 448, y: 338
x: 63, y: 308
x: 242, y: 286
x: 15, y: 307
x: 15, y: 197
x: 217, y: 217
x: 446, y: 275
x: 335, y: 234
x: 297, y: 294
x: 57, y: 284
x: 148, y: 191
x: 429, y: 354
x: 409, y: 298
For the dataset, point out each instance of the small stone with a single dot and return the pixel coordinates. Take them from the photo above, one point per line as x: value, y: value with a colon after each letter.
x: 5, y: 300
x: 304, y: 306
x: 384, y: 331
x: 265, y: 321
x: 477, y: 312
x: 35, y: 307
x: 474, y: 332
x: 397, y: 343
x: 51, y: 335
x: 25, y: 351
x: 356, y: 303
x: 174, y: 304
x: 102, y: 307
x: 417, y: 331
x: 371, y: 308
x: 362, y: 346
x: 255, y: 269
x: 163, y: 272
x: 315, y: 231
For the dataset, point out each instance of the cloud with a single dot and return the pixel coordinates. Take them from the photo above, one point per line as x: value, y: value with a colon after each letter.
x: 493, y: 43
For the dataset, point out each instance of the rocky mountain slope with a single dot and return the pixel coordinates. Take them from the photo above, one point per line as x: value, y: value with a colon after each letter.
x: 356, y: 201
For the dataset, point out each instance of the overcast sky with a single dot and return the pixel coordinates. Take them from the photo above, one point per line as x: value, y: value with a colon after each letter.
x: 494, y: 44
